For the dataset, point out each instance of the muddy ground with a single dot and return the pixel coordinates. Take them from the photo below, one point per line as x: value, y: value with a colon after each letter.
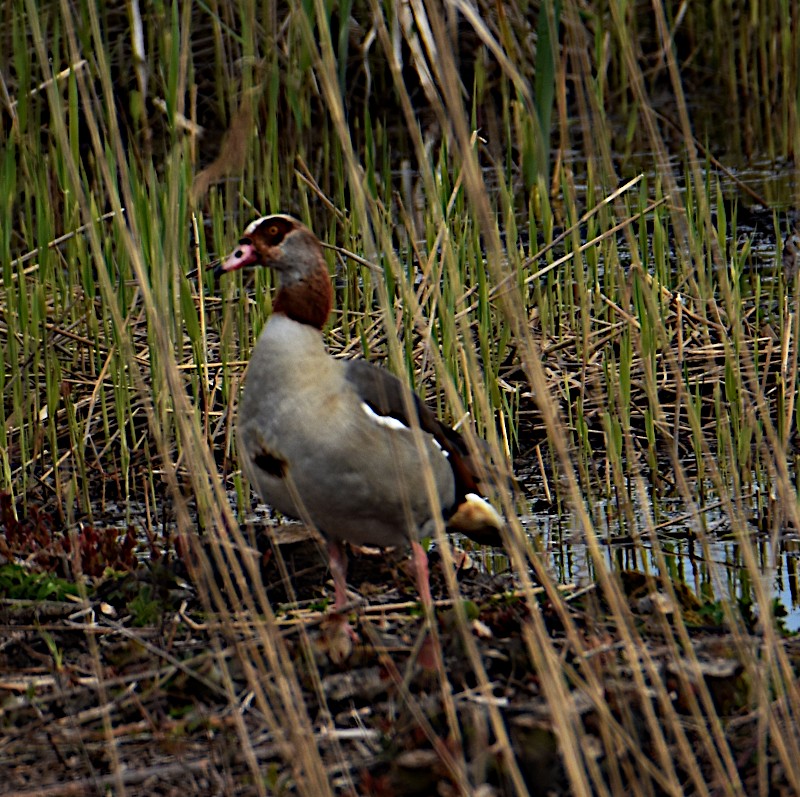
x: 125, y: 691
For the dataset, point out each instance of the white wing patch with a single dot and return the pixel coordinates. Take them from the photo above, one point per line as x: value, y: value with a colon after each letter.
x: 383, y: 420
x: 390, y: 422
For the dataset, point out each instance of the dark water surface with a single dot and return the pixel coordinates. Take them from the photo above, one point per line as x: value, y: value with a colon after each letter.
x: 715, y: 571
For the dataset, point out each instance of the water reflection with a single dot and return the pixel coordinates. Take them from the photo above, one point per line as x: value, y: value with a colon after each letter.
x: 714, y: 570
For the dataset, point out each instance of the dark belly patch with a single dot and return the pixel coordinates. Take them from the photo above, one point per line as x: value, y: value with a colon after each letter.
x: 270, y: 464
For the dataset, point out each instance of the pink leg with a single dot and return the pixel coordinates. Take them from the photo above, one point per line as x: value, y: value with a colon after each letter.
x: 338, y: 563
x: 430, y: 652
x: 339, y: 634
x: 423, y: 575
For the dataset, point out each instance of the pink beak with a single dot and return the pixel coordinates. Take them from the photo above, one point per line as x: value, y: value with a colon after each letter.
x: 244, y: 255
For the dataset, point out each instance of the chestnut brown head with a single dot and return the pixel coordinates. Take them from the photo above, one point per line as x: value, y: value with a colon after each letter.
x: 286, y: 245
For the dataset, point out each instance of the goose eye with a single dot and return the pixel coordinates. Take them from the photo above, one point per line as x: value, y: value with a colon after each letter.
x: 273, y: 230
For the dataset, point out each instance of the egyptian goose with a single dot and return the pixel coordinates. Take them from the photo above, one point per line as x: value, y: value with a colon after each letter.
x: 331, y: 441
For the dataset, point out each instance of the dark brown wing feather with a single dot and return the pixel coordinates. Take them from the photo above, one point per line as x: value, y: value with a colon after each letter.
x: 386, y: 395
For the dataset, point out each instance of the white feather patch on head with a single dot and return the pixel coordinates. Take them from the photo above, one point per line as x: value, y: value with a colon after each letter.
x: 251, y: 228
x: 383, y: 420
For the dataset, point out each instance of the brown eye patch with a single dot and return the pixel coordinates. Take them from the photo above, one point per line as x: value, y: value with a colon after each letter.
x: 274, y: 230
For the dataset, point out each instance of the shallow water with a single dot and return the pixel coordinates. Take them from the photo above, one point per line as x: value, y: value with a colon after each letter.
x: 716, y: 570
x: 723, y: 576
